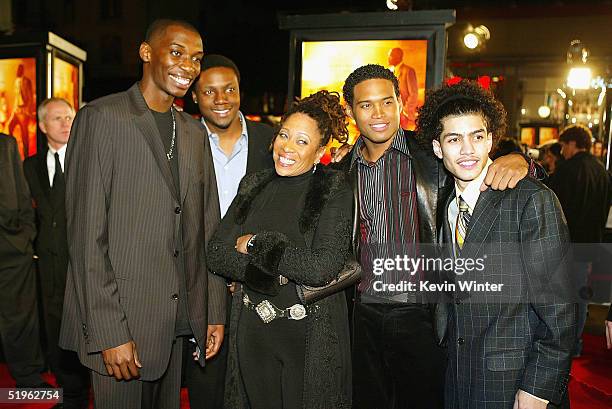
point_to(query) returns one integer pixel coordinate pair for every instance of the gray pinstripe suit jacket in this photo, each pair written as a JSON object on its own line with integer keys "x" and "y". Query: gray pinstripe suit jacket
{"x": 124, "y": 217}
{"x": 522, "y": 338}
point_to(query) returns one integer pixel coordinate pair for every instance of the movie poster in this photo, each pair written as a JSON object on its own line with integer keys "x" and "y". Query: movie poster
{"x": 18, "y": 102}
{"x": 326, "y": 64}
{"x": 66, "y": 81}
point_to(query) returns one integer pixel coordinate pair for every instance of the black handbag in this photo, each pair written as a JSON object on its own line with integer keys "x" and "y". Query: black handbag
{"x": 349, "y": 275}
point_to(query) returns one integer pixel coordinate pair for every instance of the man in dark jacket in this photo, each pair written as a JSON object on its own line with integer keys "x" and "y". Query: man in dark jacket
{"x": 397, "y": 362}
{"x": 18, "y": 312}
{"x": 238, "y": 146}
{"x": 45, "y": 175}
{"x": 582, "y": 186}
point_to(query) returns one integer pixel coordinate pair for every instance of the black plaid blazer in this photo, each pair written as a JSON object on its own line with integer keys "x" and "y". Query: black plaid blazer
{"x": 124, "y": 216}
{"x": 521, "y": 338}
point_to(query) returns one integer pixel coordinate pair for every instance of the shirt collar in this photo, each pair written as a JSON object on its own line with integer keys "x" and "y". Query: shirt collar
{"x": 399, "y": 144}
{"x": 472, "y": 191}
{"x": 61, "y": 151}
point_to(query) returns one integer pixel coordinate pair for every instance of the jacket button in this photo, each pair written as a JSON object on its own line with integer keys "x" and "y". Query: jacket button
{"x": 54, "y": 224}
{"x": 461, "y": 341}
{"x": 176, "y": 253}
{"x": 177, "y": 210}
{"x": 175, "y": 297}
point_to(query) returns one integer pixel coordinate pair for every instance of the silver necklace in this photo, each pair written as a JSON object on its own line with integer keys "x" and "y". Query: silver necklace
{"x": 170, "y": 153}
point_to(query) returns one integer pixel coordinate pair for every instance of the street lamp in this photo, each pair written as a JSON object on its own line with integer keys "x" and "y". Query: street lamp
{"x": 580, "y": 75}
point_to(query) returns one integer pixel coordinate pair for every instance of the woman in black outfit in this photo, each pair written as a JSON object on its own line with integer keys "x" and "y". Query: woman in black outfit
{"x": 289, "y": 226}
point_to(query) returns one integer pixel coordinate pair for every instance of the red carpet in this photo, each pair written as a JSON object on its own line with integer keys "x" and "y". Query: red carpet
{"x": 590, "y": 387}
{"x": 7, "y": 382}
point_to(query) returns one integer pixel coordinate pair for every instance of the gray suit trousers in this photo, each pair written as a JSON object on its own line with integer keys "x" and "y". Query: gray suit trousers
{"x": 163, "y": 393}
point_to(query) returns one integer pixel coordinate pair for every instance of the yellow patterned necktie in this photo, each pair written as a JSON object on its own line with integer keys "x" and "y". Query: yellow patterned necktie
{"x": 463, "y": 221}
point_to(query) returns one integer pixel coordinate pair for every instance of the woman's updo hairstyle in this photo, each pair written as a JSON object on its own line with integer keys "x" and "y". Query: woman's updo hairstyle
{"x": 325, "y": 108}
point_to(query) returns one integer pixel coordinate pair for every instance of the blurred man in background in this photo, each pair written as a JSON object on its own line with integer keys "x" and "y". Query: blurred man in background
{"x": 19, "y": 330}
{"x": 582, "y": 186}
{"x": 45, "y": 174}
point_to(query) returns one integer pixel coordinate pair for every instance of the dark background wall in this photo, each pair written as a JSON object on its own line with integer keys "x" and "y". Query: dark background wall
{"x": 247, "y": 31}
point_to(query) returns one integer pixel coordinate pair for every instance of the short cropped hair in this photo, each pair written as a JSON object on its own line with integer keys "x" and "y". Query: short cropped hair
{"x": 580, "y": 134}
{"x": 364, "y": 73}
{"x": 216, "y": 60}
{"x": 464, "y": 98}
{"x": 41, "y": 111}
{"x": 160, "y": 25}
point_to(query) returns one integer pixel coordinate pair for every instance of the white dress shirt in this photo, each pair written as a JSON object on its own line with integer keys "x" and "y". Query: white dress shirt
{"x": 470, "y": 195}
{"x": 51, "y": 161}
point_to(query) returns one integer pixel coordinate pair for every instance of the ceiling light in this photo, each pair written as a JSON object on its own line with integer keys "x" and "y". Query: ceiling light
{"x": 544, "y": 111}
{"x": 392, "y": 4}
{"x": 579, "y": 78}
{"x": 476, "y": 37}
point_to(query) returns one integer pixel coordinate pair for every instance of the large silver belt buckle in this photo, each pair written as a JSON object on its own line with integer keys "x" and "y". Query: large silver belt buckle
{"x": 266, "y": 311}
{"x": 297, "y": 312}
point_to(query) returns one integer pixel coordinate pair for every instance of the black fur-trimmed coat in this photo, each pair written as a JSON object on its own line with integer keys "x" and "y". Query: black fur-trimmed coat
{"x": 327, "y": 207}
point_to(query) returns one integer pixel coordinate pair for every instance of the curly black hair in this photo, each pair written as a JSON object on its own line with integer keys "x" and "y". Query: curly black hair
{"x": 364, "y": 73}
{"x": 580, "y": 134}
{"x": 325, "y": 108}
{"x": 464, "y": 98}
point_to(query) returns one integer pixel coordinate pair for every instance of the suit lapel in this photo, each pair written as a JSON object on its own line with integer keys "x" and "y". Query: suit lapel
{"x": 483, "y": 218}
{"x": 426, "y": 172}
{"x": 258, "y": 154}
{"x": 146, "y": 124}
{"x": 184, "y": 140}
{"x": 446, "y": 195}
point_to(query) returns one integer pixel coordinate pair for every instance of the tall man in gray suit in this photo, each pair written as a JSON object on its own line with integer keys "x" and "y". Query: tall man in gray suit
{"x": 510, "y": 340}
{"x": 139, "y": 209}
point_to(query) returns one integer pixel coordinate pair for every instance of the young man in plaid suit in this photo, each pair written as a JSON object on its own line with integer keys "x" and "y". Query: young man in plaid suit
{"x": 511, "y": 325}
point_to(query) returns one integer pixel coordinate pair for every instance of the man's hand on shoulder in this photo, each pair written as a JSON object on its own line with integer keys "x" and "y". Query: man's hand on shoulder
{"x": 122, "y": 361}
{"x": 337, "y": 154}
{"x": 505, "y": 172}
{"x": 524, "y": 400}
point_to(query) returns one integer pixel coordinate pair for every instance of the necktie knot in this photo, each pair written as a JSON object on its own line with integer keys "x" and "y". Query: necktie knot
{"x": 463, "y": 206}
